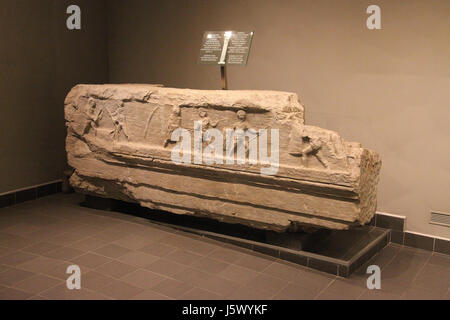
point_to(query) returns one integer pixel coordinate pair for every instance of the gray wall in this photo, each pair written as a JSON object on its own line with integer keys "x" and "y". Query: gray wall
{"x": 388, "y": 89}
{"x": 40, "y": 60}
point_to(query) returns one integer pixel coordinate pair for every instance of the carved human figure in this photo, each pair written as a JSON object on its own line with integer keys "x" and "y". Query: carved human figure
{"x": 119, "y": 130}
{"x": 241, "y": 124}
{"x": 173, "y": 124}
{"x": 94, "y": 115}
{"x": 206, "y": 123}
{"x": 304, "y": 144}
{"x": 119, "y": 121}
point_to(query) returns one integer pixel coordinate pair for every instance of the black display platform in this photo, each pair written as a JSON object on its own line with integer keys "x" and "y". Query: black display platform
{"x": 332, "y": 251}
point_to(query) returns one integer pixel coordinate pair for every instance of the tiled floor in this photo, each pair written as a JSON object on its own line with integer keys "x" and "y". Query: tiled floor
{"x": 126, "y": 257}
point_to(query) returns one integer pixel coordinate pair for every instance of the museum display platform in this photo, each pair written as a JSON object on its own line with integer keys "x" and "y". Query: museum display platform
{"x": 338, "y": 252}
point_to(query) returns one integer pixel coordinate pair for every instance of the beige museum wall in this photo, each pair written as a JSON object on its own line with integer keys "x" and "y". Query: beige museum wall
{"x": 389, "y": 88}
{"x": 40, "y": 60}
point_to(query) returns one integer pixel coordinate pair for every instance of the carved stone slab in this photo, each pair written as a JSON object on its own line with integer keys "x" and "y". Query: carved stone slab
{"x": 182, "y": 151}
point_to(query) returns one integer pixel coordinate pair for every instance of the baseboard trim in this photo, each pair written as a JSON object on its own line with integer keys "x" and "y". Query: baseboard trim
{"x": 421, "y": 241}
{"x": 30, "y": 193}
{"x": 31, "y": 187}
{"x": 389, "y": 221}
{"x": 399, "y": 235}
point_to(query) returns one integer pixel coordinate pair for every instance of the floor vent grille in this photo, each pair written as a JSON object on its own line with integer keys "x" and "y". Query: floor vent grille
{"x": 440, "y": 218}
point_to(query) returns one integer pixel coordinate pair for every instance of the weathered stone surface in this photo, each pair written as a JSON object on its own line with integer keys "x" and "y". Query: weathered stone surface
{"x": 121, "y": 140}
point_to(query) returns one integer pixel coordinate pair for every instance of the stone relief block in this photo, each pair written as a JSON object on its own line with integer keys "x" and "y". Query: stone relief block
{"x": 236, "y": 156}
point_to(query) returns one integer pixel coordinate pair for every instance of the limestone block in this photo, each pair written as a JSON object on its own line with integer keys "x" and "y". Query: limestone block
{"x": 236, "y": 156}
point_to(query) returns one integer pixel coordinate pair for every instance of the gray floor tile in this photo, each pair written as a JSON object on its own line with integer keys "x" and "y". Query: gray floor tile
{"x": 13, "y": 276}
{"x": 14, "y": 294}
{"x": 439, "y": 259}
{"x": 16, "y": 242}
{"x": 143, "y": 279}
{"x": 394, "y": 287}
{"x": 40, "y": 264}
{"x": 41, "y": 247}
{"x": 112, "y": 251}
{"x": 21, "y": 229}
{"x": 61, "y": 292}
{"x": 91, "y": 260}
{"x": 267, "y": 283}
{"x": 64, "y": 253}
{"x": 116, "y": 269}
{"x": 422, "y": 294}
{"x": 133, "y": 242}
{"x": 121, "y": 290}
{"x": 94, "y": 280}
{"x": 172, "y": 288}
{"x": 247, "y": 292}
{"x": 379, "y": 295}
{"x": 59, "y": 271}
{"x": 192, "y": 276}
{"x": 137, "y": 259}
{"x": 66, "y": 239}
{"x": 157, "y": 249}
{"x": 40, "y": 239}
{"x": 294, "y": 292}
{"x": 347, "y": 289}
{"x": 16, "y": 258}
{"x": 200, "y": 294}
{"x": 4, "y": 268}
{"x": 384, "y": 257}
{"x": 166, "y": 267}
{"x": 209, "y": 265}
{"x": 186, "y": 242}
{"x": 254, "y": 262}
{"x": 434, "y": 278}
{"x": 5, "y": 251}
{"x": 219, "y": 285}
{"x": 313, "y": 280}
{"x": 283, "y": 270}
{"x": 238, "y": 274}
{"x": 89, "y": 244}
{"x": 149, "y": 295}
{"x": 183, "y": 257}
{"x": 110, "y": 235}
{"x": 37, "y": 284}
{"x": 225, "y": 255}
{"x": 38, "y": 297}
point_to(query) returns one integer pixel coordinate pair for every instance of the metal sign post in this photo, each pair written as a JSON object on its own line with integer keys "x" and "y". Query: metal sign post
{"x": 225, "y": 47}
{"x": 223, "y": 77}
{"x": 222, "y": 62}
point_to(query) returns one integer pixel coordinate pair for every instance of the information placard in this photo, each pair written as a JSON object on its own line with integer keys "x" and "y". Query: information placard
{"x": 225, "y": 47}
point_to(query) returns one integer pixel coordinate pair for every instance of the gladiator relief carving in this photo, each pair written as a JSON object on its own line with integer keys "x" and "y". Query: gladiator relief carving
{"x": 173, "y": 124}
{"x": 244, "y": 156}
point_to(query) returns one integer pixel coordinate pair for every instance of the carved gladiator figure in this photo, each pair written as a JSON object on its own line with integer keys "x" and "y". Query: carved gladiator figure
{"x": 241, "y": 124}
{"x": 207, "y": 123}
{"x": 93, "y": 115}
{"x": 304, "y": 145}
{"x": 174, "y": 123}
{"x": 118, "y": 129}
{"x": 119, "y": 120}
